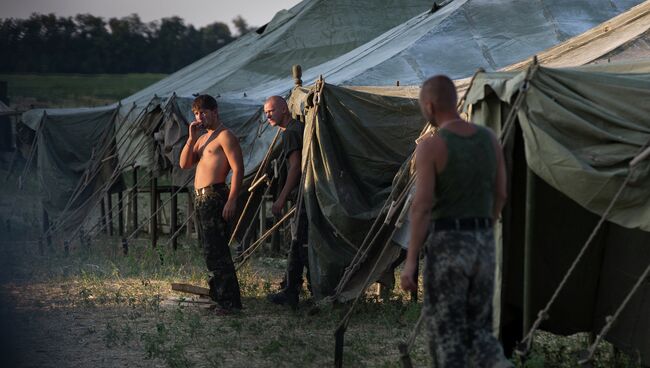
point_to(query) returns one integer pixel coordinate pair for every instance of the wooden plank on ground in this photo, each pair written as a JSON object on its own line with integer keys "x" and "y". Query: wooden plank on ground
{"x": 191, "y": 289}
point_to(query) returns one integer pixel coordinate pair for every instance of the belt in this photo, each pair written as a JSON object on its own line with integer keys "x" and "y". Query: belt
{"x": 211, "y": 189}
{"x": 469, "y": 223}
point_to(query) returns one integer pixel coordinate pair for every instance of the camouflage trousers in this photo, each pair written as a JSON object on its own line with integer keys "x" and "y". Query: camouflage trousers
{"x": 224, "y": 287}
{"x": 458, "y": 289}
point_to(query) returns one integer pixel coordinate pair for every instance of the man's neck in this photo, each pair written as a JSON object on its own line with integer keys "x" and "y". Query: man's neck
{"x": 444, "y": 119}
{"x": 285, "y": 122}
{"x": 218, "y": 126}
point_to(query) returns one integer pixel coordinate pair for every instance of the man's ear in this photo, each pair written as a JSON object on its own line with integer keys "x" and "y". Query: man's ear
{"x": 431, "y": 110}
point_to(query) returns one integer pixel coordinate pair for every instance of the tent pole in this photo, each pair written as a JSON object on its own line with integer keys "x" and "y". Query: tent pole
{"x": 153, "y": 221}
{"x": 134, "y": 198}
{"x": 46, "y": 225}
{"x": 173, "y": 217}
{"x": 109, "y": 212}
{"x": 120, "y": 214}
{"x": 190, "y": 211}
{"x": 103, "y": 215}
{"x": 528, "y": 249}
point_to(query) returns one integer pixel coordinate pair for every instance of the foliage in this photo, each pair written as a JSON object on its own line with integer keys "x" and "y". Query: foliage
{"x": 70, "y": 90}
{"x": 45, "y": 43}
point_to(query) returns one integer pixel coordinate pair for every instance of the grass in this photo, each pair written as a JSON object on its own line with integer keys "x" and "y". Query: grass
{"x": 112, "y": 307}
{"x": 73, "y": 90}
{"x": 100, "y": 280}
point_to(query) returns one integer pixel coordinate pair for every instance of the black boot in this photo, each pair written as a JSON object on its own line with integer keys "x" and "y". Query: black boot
{"x": 285, "y": 297}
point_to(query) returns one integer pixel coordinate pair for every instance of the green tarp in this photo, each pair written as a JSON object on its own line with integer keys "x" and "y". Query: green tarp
{"x": 359, "y": 143}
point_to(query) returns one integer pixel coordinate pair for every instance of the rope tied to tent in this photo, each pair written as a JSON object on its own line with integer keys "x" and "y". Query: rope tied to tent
{"x": 526, "y": 344}
{"x": 260, "y": 169}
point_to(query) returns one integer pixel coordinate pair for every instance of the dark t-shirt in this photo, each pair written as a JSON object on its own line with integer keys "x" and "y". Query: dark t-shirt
{"x": 292, "y": 141}
{"x": 292, "y": 138}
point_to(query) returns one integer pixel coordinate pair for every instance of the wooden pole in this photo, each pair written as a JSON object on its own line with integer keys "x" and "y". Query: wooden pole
{"x": 153, "y": 222}
{"x": 46, "y": 226}
{"x": 109, "y": 212}
{"x": 120, "y": 214}
{"x": 134, "y": 199}
{"x": 190, "y": 211}
{"x": 103, "y": 215}
{"x": 173, "y": 219}
{"x": 528, "y": 249}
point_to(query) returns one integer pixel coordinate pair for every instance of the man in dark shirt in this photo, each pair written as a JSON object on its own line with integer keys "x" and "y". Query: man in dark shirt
{"x": 462, "y": 168}
{"x": 277, "y": 113}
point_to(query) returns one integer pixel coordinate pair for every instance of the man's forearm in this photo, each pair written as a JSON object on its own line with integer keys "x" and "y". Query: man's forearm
{"x": 187, "y": 155}
{"x": 419, "y": 228}
{"x": 235, "y": 184}
{"x": 293, "y": 179}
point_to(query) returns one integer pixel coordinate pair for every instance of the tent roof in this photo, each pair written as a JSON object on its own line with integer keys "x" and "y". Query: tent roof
{"x": 465, "y": 35}
{"x": 308, "y": 34}
{"x": 623, "y": 42}
{"x": 6, "y": 110}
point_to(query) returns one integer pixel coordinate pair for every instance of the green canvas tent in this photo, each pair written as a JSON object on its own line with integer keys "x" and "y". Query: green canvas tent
{"x": 576, "y": 131}
{"x": 149, "y": 124}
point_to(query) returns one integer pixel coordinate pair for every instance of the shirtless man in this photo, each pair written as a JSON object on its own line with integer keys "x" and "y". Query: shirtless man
{"x": 215, "y": 153}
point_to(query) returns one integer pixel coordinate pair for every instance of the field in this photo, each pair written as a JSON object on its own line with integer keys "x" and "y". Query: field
{"x": 73, "y": 90}
{"x": 94, "y": 306}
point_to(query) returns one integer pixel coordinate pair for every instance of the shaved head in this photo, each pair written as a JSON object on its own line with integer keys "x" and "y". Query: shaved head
{"x": 438, "y": 94}
{"x": 277, "y": 111}
{"x": 277, "y": 101}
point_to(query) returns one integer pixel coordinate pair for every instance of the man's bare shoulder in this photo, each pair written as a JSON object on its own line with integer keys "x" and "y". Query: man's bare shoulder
{"x": 227, "y": 137}
{"x": 430, "y": 145}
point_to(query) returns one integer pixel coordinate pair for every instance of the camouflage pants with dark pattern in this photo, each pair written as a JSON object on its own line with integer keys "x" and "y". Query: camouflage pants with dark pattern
{"x": 458, "y": 289}
{"x": 224, "y": 287}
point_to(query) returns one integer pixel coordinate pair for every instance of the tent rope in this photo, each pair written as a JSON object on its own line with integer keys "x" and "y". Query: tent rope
{"x": 246, "y": 255}
{"x": 364, "y": 249}
{"x": 114, "y": 175}
{"x": 260, "y": 169}
{"x": 103, "y": 226}
{"x": 87, "y": 177}
{"x": 611, "y": 319}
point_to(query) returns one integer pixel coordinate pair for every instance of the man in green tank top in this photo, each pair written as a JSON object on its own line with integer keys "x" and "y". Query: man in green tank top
{"x": 459, "y": 191}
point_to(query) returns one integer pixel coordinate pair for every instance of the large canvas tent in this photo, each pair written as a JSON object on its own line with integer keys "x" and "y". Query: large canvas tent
{"x": 461, "y": 36}
{"x": 577, "y": 130}
{"x": 309, "y": 33}
{"x": 623, "y": 37}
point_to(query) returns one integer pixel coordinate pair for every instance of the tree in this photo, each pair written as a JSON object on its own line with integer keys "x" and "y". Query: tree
{"x": 241, "y": 25}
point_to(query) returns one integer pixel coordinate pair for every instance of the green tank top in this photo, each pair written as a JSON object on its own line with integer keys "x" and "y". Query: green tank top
{"x": 465, "y": 187}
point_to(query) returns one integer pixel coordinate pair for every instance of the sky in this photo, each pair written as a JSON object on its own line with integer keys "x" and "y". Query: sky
{"x": 195, "y": 12}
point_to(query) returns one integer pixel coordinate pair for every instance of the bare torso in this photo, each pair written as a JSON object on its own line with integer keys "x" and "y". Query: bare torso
{"x": 213, "y": 167}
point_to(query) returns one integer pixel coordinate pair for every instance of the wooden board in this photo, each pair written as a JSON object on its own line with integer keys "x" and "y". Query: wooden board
{"x": 190, "y": 289}
{"x": 197, "y": 302}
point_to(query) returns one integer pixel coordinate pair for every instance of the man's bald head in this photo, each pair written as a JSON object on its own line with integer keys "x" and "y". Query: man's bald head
{"x": 438, "y": 95}
{"x": 277, "y": 111}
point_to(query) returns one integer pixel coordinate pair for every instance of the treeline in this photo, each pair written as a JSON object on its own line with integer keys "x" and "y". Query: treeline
{"x": 45, "y": 43}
